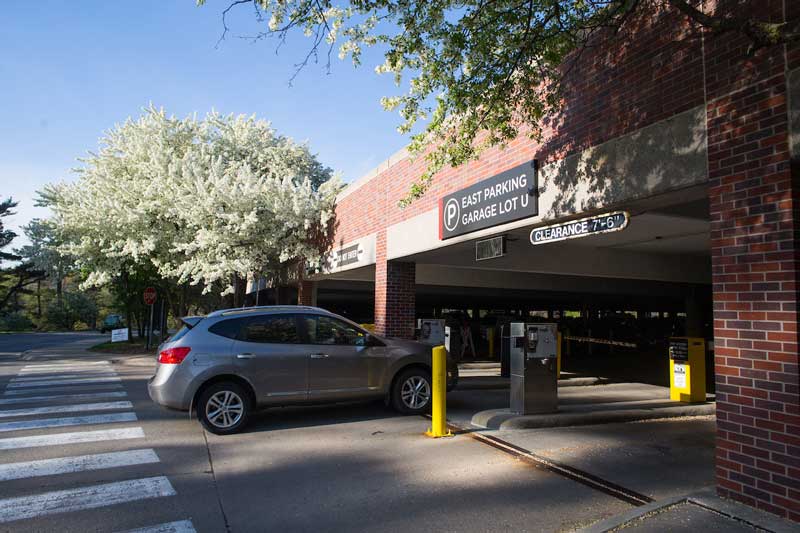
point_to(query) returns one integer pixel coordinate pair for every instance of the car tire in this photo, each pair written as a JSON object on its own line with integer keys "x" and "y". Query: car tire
{"x": 224, "y": 408}
{"x": 412, "y": 392}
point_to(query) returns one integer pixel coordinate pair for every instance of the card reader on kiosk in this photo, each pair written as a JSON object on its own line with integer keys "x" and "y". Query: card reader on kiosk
{"x": 534, "y": 368}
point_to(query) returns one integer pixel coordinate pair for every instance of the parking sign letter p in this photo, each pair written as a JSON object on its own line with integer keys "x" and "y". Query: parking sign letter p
{"x": 451, "y": 214}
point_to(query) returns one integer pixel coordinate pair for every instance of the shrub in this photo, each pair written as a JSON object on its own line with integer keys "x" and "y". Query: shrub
{"x": 15, "y": 322}
{"x": 76, "y": 307}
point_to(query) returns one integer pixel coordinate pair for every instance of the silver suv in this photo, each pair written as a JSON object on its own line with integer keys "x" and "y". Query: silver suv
{"x": 229, "y": 363}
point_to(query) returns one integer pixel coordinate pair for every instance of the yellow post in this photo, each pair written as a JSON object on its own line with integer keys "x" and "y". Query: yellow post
{"x": 439, "y": 394}
{"x": 490, "y": 337}
{"x": 558, "y": 357}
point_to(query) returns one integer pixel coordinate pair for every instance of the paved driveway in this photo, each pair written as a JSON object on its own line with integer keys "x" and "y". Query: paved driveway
{"x": 84, "y": 449}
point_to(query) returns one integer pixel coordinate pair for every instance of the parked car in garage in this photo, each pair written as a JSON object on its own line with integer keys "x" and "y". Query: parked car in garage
{"x": 111, "y": 322}
{"x": 232, "y": 362}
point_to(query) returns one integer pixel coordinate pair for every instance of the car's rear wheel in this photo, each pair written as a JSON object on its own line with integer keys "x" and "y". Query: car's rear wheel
{"x": 224, "y": 408}
{"x": 411, "y": 393}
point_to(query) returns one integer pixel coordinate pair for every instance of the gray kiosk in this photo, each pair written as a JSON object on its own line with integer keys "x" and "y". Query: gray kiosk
{"x": 533, "y": 357}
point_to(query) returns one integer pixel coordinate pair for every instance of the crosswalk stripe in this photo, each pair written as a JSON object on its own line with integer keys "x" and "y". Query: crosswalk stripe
{"x": 38, "y": 371}
{"x": 76, "y": 437}
{"x": 57, "y": 368}
{"x": 67, "y": 421}
{"x": 74, "y": 408}
{"x": 91, "y": 497}
{"x": 72, "y": 388}
{"x": 63, "y": 376}
{"x": 63, "y": 362}
{"x": 81, "y": 463}
{"x": 181, "y": 526}
{"x": 64, "y": 397}
{"x": 61, "y": 382}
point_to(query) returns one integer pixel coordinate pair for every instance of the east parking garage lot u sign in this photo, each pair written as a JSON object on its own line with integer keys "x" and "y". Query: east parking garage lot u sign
{"x": 506, "y": 197}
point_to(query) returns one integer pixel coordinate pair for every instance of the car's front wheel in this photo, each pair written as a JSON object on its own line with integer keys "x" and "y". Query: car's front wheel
{"x": 224, "y": 408}
{"x": 411, "y": 392}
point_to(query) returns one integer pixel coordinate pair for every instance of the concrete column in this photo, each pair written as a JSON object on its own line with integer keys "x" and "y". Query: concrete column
{"x": 695, "y": 313}
{"x": 754, "y": 226}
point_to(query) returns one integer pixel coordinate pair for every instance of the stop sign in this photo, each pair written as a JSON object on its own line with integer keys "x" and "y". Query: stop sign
{"x": 150, "y": 295}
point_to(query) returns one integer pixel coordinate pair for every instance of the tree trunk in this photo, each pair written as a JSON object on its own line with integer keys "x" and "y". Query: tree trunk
{"x": 39, "y": 299}
{"x": 239, "y": 291}
{"x": 59, "y": 292}
{"x": 128, "y": 309}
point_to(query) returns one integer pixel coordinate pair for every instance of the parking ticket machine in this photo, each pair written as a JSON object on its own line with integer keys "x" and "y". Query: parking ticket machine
{"x": 534, "y": 368}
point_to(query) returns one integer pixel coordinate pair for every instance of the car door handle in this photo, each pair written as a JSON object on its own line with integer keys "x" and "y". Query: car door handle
{"x": 319, "y": 356}
{"x": 244, "y": 356}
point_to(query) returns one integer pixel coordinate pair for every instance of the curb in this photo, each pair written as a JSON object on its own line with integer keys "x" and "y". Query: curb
{"x": 504, "y": 419}
{"x": 706, "y": 499}
{"x": 481, "y": 383}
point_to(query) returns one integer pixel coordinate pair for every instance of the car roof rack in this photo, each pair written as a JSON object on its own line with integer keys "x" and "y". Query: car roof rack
{"x": 255, "y": 309}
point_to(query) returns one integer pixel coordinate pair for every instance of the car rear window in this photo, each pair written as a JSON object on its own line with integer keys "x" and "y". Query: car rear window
{"x": 178, "y": 334}
{"x": 273, "y": 329}
{"x": 228, "y": 328}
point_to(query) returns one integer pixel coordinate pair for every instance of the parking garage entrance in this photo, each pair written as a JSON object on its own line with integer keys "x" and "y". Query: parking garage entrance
{"x": 617, "y": 297}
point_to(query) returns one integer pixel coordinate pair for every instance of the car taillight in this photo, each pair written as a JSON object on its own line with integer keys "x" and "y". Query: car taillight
{"x": 174, "y": 356}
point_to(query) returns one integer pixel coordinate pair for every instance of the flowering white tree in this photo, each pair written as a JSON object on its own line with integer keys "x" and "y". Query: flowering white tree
{"x": 199, "y": 201}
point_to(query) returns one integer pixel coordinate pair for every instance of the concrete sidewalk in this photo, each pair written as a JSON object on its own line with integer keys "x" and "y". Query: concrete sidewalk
{"x": 481, "y": 382}
{"x": 700, "y": 511}
{"x": 584, "y": 405}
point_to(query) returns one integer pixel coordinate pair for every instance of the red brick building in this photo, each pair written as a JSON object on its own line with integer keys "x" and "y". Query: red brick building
{"x": 699, "y": 142}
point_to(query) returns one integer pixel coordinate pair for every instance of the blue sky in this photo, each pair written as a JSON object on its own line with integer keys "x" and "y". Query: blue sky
{"x": 71, "y": 70}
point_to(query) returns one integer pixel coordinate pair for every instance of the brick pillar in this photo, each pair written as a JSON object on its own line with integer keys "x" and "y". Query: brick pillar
{"x": 306, "y": 293}
{"x": 395, "y": 298}
{"x": 754, "y": 225}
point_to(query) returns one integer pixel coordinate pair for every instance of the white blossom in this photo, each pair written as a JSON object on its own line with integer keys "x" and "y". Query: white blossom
{"x": 199, "y": 200}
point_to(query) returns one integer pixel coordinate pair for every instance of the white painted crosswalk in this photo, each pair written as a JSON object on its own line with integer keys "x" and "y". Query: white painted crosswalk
{"x": 45, "y": 423}
{"x": 91, "y": 387}
{"x": 63, "y": 363}
{"x": 78, "y": 499}
{"x": 64, "y": 397}
{"x": 181, "y": 526}
{"x": 32, "y": 371}
{"x": 64, "y": 376}
{"x": 77, "y": 437}
{"x": 75, "y": 408}
{"x": 86, "y": 391}
{"x": 62, "y": 382}
{"x": 82, "y": 463}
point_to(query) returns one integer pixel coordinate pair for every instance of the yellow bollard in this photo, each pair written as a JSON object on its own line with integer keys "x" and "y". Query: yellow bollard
{"x": 558, "y": 357}
{"x": 490, "y": 338}
{"x": 439, "y": 394}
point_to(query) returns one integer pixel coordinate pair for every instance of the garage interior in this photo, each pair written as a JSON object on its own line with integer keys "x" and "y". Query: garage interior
{"x": 617, "y": 297}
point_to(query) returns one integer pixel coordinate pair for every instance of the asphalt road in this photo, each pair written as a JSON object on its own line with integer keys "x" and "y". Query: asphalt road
{"x": 76, "y": 456}
{"x": 11, "y": 343}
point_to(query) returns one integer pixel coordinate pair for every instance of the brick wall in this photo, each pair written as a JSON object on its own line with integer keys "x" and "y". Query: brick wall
{"x": 754, "y": 225}
{"x": 395, "y": 298}
{"x": 655, "y": 71}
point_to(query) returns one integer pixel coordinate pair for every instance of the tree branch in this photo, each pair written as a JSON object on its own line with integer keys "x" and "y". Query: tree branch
{"x": 761, "y": 34}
